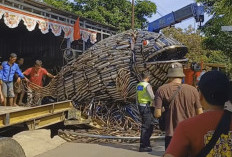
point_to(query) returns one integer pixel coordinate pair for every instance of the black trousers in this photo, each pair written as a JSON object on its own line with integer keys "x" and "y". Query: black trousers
{"x": 167, "y": 141}
{"x": 147, "y": 114}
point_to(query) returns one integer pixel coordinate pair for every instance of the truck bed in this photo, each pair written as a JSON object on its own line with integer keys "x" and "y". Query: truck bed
{"x": 35, "y": 117}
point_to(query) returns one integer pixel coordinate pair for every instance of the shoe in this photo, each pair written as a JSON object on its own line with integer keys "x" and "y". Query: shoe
{"x": 146, "y": 149}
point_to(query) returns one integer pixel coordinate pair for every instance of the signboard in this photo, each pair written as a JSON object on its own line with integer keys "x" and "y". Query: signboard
{"x": 226, "y": 28}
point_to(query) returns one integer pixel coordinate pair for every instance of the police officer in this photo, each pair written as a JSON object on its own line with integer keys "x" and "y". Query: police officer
{"x": 144, "y": 99}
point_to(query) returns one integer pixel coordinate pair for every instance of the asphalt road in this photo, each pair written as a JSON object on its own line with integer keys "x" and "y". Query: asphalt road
{"x": 103, "y": 150}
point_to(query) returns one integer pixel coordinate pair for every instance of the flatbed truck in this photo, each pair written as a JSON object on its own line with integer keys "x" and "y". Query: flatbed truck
{"x": 34, "y": 118}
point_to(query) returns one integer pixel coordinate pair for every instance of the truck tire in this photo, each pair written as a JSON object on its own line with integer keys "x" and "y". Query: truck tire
{"x": 10, "y": 148}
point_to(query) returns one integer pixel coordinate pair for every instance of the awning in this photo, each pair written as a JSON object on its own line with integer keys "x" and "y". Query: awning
{"x": 12, "y": 18}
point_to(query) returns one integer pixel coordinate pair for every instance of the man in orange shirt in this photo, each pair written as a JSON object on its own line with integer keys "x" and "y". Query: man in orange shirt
{"x": 36, "y": 74}
{"x": 193, "y": 136}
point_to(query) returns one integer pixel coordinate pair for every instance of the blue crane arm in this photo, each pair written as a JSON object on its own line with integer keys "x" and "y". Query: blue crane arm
{"x": 192, "y": 10}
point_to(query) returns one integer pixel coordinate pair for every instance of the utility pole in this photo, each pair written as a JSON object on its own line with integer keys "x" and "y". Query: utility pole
{"x": 133, "y": 15}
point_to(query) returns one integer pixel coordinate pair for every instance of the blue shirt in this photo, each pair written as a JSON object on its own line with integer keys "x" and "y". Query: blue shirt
{"x": 7, "y": 73}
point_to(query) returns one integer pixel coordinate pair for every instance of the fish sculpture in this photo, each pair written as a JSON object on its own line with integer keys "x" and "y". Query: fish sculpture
{"x": 111, "y": 69}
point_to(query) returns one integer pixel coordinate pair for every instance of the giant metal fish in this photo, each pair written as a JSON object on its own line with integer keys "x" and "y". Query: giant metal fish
{"x": 111, "y": 68}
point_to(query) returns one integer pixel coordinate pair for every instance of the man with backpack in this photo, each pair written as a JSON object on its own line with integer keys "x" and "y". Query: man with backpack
{"x": 178, "y": 101}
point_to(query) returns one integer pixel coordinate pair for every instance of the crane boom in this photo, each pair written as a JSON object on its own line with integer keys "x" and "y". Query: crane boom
{"x": 195, "y": 10}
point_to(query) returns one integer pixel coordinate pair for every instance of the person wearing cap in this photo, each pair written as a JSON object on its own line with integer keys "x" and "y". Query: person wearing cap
{"x": 144, "y": 100}
{"x": 9, "y": 69}
{"x": 183, "y": 101}
{"x": 208, "y": 134}
{"x": 36, "y": 74}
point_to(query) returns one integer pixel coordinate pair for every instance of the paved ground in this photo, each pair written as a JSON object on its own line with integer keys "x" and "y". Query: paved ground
{"x": 103, "y": 150}
{"x": 38, "y": 143}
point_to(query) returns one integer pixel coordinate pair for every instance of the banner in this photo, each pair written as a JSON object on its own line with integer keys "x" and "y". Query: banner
{"x": 43, "y": 26}
{"x": 56, "y": 29}
{"x": 12, "y": 19}
{"x": 89, "y": 35}
{"x": 29, "y": 23}
{"x": 1, "y": 13}
{"x": 67, "y": 31}
{"x": 93, "y": 38}
{"x": 85, "y": 35}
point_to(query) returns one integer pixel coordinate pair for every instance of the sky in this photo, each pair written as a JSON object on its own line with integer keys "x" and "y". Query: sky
{"x": 167, "y": 6}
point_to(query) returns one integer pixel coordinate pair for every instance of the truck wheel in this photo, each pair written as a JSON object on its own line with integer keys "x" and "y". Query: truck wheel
{"x": 10, "y": 148}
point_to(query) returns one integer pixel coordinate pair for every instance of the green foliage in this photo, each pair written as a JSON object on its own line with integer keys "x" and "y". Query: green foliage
{"x": 197, "y": 52}
{"x": 219, "y": 7}
{"x": 191, "y": 39}
{"x": 215, "y": 39}
{"x": 61, "y": 4}
{"x": 143, "y": 9}
{"x": 116, "y": 13}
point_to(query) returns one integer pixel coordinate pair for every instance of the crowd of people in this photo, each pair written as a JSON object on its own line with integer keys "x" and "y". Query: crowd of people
{"x": 12, "y": 89}
{"x": 196, "y": 121}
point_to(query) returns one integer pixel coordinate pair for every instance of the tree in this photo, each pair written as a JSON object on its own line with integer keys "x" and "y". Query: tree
{"x": 194, "y": 42}
{"x": 116, "y": 13}
{"x": 215, "y": 39}
{"x": 60, "y": 4}
{"x": 191, "y": 39}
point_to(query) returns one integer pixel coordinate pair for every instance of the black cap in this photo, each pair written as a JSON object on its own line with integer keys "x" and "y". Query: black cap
{"x": 13, "y": 55}
{"x": 215, "y": 87}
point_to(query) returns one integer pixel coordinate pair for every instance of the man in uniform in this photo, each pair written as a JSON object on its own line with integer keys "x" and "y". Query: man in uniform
{"x": 144, "y": 99}
{"x": 183, "y": 101}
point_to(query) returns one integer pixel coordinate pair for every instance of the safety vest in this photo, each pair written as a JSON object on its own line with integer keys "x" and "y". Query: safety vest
{"x": 143, "y": 96}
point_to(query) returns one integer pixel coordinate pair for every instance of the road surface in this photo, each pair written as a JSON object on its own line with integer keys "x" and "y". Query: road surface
{"x": 103, "y": 150}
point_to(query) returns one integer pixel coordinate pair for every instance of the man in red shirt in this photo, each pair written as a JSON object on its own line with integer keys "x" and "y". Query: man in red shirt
{"x": 36, "y": 74}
